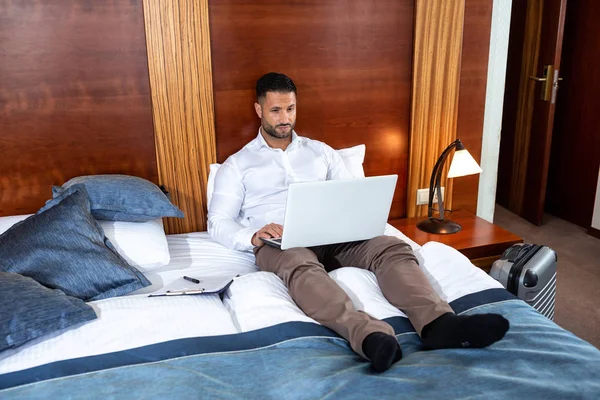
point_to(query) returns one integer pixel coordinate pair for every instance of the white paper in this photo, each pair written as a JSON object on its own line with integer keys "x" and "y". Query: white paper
{"x": 206, "y": 285}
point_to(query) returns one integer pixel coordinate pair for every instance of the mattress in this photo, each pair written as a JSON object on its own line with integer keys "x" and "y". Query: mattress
{"x": 212, "y": 339}
{"x": 255, "y": 300}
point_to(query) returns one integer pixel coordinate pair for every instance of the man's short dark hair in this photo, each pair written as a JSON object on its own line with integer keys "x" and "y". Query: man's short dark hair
{"x": 274, "y": 82}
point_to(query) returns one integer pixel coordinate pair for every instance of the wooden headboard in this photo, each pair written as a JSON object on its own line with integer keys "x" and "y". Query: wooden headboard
{"x": 161, "y": 89}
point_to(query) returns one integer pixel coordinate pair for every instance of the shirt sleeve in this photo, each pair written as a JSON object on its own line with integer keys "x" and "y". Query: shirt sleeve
{"x": 337, "y": 168}
{"x": 225, "y": 207}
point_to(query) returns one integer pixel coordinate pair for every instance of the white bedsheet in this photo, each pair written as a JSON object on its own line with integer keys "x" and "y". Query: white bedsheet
{"x": 254, "y": 300}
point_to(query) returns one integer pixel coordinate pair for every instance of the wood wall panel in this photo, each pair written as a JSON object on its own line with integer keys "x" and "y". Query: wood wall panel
{"x": 351, "y": 62}
{"x": 472, "y": 93}
{"x": 179, "y": 61}
{"x": 74, "y": 96}
{"x": 436, "y": 74}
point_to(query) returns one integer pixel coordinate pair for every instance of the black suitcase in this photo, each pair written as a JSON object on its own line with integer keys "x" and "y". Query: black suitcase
{"x": 529, "y": 272}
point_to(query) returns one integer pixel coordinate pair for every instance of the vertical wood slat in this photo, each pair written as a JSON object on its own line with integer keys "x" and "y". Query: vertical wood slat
{"x": 179, "y": 62}
{"x": 436, "y": 79}
{"x": 527, "y": 87}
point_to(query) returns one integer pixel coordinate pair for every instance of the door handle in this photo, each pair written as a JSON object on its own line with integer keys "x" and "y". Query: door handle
{"x": 548, "y": 87}
{"x": 535, "y": 78}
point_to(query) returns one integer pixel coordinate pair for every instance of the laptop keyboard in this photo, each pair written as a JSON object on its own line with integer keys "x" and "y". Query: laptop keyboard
{"x": 272, "y": 242}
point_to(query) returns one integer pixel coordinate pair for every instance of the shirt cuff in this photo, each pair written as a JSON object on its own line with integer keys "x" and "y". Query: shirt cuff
{"x": 243, "y": 239}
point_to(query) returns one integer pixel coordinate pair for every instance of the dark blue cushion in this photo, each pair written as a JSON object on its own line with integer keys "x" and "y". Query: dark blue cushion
{"x": 29, "y": 310}
{"x": 63, "y": 247}
{"x": 123, "y": 198}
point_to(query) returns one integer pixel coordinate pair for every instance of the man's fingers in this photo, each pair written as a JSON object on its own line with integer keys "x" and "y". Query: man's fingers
{"x": 278, "y": 229}
{"x": 273, "y": 232}
{"x": 275, "y": 229}
{"x": 267, "y": 232}
{"x": 264, "y": 234}
{"x": 270, "y": 231}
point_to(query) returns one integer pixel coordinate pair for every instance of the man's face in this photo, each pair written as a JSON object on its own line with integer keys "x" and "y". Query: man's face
{"x": 277, "y": 112}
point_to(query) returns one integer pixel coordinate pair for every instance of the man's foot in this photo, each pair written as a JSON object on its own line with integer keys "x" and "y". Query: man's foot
{"x": 457, "y": 331}
{"x": 382, "y": 350}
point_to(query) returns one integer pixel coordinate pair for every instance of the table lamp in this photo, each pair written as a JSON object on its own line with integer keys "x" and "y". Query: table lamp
{"x": 462, "y": 164}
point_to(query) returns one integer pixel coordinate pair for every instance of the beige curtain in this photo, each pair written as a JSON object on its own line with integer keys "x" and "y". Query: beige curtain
{"x": 436, "y": 78}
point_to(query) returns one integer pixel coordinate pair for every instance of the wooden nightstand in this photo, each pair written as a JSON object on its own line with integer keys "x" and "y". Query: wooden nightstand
{"x": 479, "y": 240}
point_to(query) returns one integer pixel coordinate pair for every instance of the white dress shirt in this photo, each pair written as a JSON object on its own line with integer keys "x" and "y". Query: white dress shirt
{"x": 251, "y": 186}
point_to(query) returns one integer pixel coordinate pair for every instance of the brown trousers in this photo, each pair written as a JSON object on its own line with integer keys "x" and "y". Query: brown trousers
{"x": 304, "y": 271}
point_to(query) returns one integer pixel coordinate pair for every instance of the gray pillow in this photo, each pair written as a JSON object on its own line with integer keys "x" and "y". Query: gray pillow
{"x": 123, "y": 198}
{"x": 63, "y": 247}
{"x": 29, "y": 310}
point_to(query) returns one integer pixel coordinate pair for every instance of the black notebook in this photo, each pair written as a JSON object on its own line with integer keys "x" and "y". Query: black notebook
{"x": 182, "y": 287}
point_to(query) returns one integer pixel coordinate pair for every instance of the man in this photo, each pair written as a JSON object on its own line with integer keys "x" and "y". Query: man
{"x": 249, "y": 203}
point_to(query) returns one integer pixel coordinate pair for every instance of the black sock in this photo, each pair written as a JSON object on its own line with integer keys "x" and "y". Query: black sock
{"x": 382, "y": 350}
{"x": 457, "y": 331}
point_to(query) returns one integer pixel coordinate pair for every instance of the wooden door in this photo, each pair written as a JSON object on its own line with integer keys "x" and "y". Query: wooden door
{"x": 573, "y": 172}
{"x": 527, "y": 128}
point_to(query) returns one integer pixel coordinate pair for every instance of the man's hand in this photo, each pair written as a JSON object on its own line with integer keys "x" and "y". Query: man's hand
{"x": 267, "y": 232}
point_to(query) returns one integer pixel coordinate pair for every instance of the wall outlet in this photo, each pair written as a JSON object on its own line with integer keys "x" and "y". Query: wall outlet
{"x": 423, "y": 196}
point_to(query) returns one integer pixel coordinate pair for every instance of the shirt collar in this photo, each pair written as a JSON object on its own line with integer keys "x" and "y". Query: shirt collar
{"x": 261, "y": 142}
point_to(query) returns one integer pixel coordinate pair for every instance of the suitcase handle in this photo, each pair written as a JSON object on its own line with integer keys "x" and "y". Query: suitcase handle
{"x": 530, "y": 279}
{"x": 525, "y": 253}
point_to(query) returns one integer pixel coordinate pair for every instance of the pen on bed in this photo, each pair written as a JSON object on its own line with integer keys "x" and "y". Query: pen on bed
{"x": 187, "y": 278}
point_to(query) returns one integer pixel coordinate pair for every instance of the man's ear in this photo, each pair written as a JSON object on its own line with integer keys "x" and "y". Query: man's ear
{"x": 258, "y": 109}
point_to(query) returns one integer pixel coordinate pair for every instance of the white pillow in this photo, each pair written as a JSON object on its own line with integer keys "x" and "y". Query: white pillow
{"x": 259, "y": 300}
{"x": 141, "y": 244}
{"x": 7, "y": 222}
{"x": 353, "y": 158}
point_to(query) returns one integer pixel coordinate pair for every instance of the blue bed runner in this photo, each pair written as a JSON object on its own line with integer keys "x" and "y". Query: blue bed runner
{"x": 298, "y": 360}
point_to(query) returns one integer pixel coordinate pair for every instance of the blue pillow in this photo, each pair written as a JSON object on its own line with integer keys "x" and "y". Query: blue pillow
{"x": 63, "y": 247}
{"x": 123, "y": 198}
{"x": 29, "y": 310}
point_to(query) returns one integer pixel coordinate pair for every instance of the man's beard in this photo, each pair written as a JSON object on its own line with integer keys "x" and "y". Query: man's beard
{"x": 272, "y": 130}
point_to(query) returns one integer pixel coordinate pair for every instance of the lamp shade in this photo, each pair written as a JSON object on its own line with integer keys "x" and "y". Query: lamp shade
{"x": 463, "y": 164}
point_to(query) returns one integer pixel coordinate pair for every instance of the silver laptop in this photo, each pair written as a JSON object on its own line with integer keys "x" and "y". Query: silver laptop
{"x": 338, "y": 211}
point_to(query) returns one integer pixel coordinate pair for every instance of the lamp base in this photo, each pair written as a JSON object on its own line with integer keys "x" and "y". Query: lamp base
{"x": 439, "y": 226}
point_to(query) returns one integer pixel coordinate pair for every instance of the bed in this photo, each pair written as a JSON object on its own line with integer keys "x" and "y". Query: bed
{"x": 254, "y": 342}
